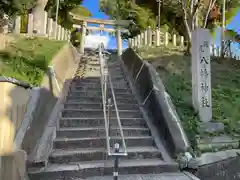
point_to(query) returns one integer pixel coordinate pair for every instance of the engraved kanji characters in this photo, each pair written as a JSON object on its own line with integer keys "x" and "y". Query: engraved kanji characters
{"x": 205, "y": 102}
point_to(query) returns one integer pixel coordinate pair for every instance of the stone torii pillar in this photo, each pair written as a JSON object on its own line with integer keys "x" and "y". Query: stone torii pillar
{"x": 84, "y": 31}
{"x": 119, "y": 42}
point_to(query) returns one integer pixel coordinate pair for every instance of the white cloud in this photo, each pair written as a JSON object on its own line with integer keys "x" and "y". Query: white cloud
{"x": 93, "y": 41}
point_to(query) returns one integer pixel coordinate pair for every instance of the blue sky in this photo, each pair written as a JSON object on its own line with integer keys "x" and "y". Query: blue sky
{"x": 93, "y": 6}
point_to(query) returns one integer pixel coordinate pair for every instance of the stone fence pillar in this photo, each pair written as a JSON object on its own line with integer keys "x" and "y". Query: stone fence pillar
{"x": 17, "y": 25}
{"x": 30, "y": 25}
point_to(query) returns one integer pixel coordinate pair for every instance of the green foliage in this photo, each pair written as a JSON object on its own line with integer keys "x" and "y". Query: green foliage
{"x": 175, "y": 71}
{"x": 65, "y": 7}
{"x": 80, "y": 10}
{"x": 179, "y": 88}
{"x": 28, "y": 59}
{"x": 231, "y": 13}
{"x": 171, "y": 13}
{"x": 12, "y": 7}
{"x": 142, "y": 16}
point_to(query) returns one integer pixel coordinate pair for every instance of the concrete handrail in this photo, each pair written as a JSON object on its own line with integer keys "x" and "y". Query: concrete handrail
{"x": 16, "y": 82}
{"x": 156, "y": 101}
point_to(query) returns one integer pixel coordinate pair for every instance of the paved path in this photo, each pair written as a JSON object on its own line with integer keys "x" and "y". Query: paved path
{"x": 163, "y": 176}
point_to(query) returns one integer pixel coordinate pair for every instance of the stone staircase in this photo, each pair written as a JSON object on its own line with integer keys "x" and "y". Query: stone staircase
{"x": 79, "y": 150}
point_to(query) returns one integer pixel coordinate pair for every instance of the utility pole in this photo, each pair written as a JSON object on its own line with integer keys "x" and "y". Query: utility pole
{"x": 118, "y": 31}
{"x": 159, "y": 12}
{"x": 223, "y": 28}
{"x": 56, "y": 18}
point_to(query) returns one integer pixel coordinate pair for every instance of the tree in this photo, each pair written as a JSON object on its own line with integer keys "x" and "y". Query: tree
{"x": 12, "y": 7}
{"x": 128, "y": 10}
{"x": 65, "y": 7}
{"x": 182, "y": 16}
{"x": 231, "y": 36}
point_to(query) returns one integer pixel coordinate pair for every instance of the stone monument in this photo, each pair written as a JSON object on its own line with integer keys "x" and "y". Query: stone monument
{"x": 201, "y": 74}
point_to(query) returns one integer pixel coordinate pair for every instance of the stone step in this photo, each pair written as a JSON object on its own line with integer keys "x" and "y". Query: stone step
{"x": 149, "y": 176}
{"x": 95, "y": 142}
{"x": 96, "y": 79}
{"x": 87, "y": 80}
{"x": 99, "y": 113}
{"x": 98, "y": 100}
{"x": 84, "y": 89}
{"x": 96, "y": 122}
{"x": 100, "y": 131}
{"x": 116, "y": 85}
{"x": 91, "y": 154}
{"x": 79, "y": 105}
{"x": 97, "y": 84}
{"x": 86, "y": 169}
{"x": 129, "y": 99}
{"x": 98, "y": 94}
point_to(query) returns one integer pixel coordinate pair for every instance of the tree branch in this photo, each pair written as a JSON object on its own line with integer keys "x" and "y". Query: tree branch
{"x": 191, "y": 7}
{"x": 210, "y": 6}
{"x": 195, "y": 8}
{"x": 185, "y": 18}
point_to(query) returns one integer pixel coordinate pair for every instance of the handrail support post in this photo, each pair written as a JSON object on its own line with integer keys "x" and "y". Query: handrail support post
{"x": 116, "y": 163}
{"x": 109, "y": 105}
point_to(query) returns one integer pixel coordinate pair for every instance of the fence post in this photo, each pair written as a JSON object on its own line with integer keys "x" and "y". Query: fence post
{"x": 166, "y": 39}
{"x": 158, "y": 37}
{"x": 50, "y": 27}
{"x": 149, "y": 36}
{"x": 142, "y": 38}
{"x": 174, "y": 40}
{"x": 17, "y": 25}
{"x": 30, "y": 25}
{"x": 135, "y": 42}
{"x": 212, "y": 50}
{"x": 69, "y": 35}
{"x": 62, "y": 33}
{"x": 45, "y": 23}
{"x": 145, "y": 38}
{"x": 58, "y": 32}
{"x": 55, "y": 30}
{"x": 218, "y": 51}
{"x": 65, "y": 35}
{"x": 153, "y": 37}
{"x": 182, "y": 41}
{"x": 139, "y": 40}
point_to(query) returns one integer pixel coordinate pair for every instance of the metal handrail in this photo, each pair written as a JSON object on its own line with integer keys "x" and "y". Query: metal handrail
{"x": 106, "y": 77}
{"x": 103, "y": 78}
{"x": 124, "y": 153}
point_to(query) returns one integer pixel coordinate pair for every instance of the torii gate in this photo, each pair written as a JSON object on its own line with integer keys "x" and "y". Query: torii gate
{"x": 101, "y": 22}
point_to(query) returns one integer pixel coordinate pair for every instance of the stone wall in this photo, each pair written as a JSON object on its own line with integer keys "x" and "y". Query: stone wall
{"x": 12, "y": 166}
{"x": 222, "y": 165}
{"x": 228, "y": 169}
{"x": 64, "y": 64}
{"x": 13, "y": 105}
{"x": 25, "y": 111}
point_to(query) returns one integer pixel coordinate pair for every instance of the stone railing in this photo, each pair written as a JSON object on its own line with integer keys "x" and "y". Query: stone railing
{"x": 155, "y": 38}
{"x": 51, "y": 29}
{"x": 155, "y": 103}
